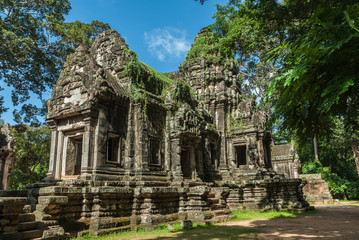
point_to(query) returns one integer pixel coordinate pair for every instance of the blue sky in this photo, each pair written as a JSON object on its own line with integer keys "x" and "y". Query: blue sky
{"x": 160, "y": 31}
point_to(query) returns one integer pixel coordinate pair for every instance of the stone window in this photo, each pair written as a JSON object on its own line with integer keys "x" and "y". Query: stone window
{"x": 113, "y": 148}
{"x": 155, "y": 152}
{"x": 241, "y": 156}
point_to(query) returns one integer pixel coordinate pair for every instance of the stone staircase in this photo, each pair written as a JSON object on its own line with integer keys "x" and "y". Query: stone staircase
{"x": 218, "y": 207}
{"x": 28, "y": 228}
{"x": 16, "y": 220}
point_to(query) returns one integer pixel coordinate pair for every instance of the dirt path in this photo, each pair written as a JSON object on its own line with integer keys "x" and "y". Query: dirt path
{"x": 338, "y": 221}
{"x": 332, "y": 222}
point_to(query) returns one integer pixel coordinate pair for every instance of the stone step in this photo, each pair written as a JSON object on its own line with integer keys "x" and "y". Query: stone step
{"x": 26, "y": 217}
{"x": 222, "y": 212}
{"x": 218, "y": 206}
{"x": 9, "y": 236}
{"x": 223, "y": 218}
{"x": 213, "y": 200}
{"x": 24, "y": 226}
{"x": 211, "y": 195}
{"x": 30, "y": 234}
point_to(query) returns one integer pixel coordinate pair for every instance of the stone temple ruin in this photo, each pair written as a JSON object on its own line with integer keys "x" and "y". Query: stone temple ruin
{"x": 134, "y": 147}
{"x": 285, "y": 160}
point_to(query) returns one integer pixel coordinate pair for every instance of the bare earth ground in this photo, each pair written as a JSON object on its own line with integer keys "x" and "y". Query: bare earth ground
{"x": 332, "y": 222}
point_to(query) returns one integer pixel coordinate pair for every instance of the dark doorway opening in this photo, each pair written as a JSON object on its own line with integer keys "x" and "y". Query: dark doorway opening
{"x": 185, "y": 164}
{"x": 241, "y": 156}
{"x": 113, "y": 145}
{"x": 213, "y": 155}
{"x": 73, "y": 156}
{"x": 77, "y": 168}
{"x": 155, "y": 154}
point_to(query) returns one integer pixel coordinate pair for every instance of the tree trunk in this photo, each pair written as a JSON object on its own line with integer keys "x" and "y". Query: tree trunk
{"x": 315, "y": 142}
{"x": 355, "y": 149}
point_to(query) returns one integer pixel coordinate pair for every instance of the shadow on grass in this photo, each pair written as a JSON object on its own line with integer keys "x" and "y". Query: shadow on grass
{"x": 213, "y": 232}
{"x": 317, "y": 224}
{"x": 252, "y": 215}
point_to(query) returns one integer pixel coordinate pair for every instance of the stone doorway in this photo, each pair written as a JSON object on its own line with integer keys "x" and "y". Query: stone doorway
{"x": 186, "y": 163}
{"x": 241, "y": 156}
{"x": 73, "y": 157}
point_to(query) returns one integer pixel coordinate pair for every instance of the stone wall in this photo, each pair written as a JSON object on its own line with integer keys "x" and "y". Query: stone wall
{"x": 78, "y": 207}
{"x": 316, "y": 189}
{"x": 285, "y": 160}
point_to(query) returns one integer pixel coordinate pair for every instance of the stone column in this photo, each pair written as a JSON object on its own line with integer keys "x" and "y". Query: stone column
{"x": 64, "y": 156}
{"x": 138, "y": 137}
{"x": 176, "y": 157}
{"x": 53, "y": 150}
{"x": 96, "y": 161}
{"x": 130, "y": 143}
{"x": 221, "y": 126}
{"x": 86, "y": 146}
{"x": 192, "y": 158}
{"x": 167, "y": 142}
{"x": 60, "y": 141}
{"x": 261, "y": 151}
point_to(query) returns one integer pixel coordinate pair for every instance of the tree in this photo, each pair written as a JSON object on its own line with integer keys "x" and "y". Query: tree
{"x": 34, "y": 43}
{"x": 320, "y": 80}
{"x": 32, "y": 152}
{"x": 239, "y": 29}
{"x": 336, "y": 163}
{"x": 313, "y": 46}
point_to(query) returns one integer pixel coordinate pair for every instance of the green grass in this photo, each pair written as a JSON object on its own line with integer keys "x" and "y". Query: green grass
{"x": 201, "y": 231}
{"x": 253, "y": 215}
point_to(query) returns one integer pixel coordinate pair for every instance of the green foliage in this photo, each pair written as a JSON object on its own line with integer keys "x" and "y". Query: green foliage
{"x": 336, "y": 162}
{"x": 314, "y": 166}
{"x": 34, "y": 43}
{"x": 235, "y": 122}
{"x": 243, "y": 30}
{"x": 312, "y": 49}
{"x": 209, "y": 46}
{"x": 32, "y": 151}
{"x": 183, "y": 93}
{"x": 146, "y": 78}
{"x": 319, "y": 80}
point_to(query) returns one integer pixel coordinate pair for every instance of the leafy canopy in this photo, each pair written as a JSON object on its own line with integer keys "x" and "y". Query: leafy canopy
{"x": 244, "y": 31}
{"x": 32, "y": 152}
{"x": 34, "y": 43}
{"x": 320, "y": 77}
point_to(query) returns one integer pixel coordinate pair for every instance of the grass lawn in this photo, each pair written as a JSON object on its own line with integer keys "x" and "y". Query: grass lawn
{"x": 201, "y": 231}
{"x": 349, "y": 202}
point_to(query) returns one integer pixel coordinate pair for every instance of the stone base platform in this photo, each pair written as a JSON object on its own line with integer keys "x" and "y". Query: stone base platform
{"x": 77, "y": 207}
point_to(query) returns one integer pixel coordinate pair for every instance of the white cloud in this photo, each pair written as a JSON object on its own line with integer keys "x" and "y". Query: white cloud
{"x": 167, "y": 43}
